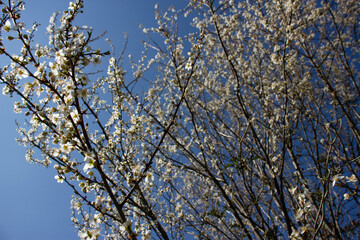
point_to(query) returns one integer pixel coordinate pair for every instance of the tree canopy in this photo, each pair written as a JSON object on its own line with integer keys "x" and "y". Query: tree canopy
{"x": 244, "y": 127}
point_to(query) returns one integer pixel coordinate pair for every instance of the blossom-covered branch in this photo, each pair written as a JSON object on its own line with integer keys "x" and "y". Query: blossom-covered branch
{"x": 248, "y": 127}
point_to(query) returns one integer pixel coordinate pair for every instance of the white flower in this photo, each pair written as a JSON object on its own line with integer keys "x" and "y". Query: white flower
{"x": 293, "y": 190}
{"x": 59, "y": 179}
{"x": 112, "y": 61}
{"x": 89, "y": 158}
{"x": 55, "y": 118}
{"x": 60, "y": 56}
{"x": 88, "y": 166}
{"x": 82, "y": 235}
{"x": 92, "y": 234}
{"x": 22, "y": 73}
{"x": 98, "y": 217}
{"x": 336, "y": 178}
{"x": 7, "y": 26}
{"x": 66, "y": 148}
{"x": 75, "y": 116}
{"x": 346, "y": 196}
{"x": 54, "y": 68}
{"x": 125, "y": 225}
{"x": 274, "y": 58}
{"x": 352, "y": 179}
{"x": 96, "y": 60}
{"x": 40, "y": 70}
{"x": 72, "y": 6}
{"x": 69, "y": 99}
{"x": 17, "y": 107}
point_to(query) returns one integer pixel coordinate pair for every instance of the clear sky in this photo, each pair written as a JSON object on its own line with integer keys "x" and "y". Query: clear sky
{"x": 33, "y": 206}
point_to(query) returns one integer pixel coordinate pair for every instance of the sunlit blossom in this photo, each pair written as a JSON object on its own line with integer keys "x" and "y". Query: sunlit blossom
{"x": 347, "y": 196}
{"x": 233, "y": 127}
{"x": 352, "y": 178}
{"x": 59, "y": 179}
{"x": 7, "y": 26}
{"x": 336, "y": 178}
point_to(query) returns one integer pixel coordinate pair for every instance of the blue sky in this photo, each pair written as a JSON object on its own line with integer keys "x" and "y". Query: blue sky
{"x": 32, "y": 204}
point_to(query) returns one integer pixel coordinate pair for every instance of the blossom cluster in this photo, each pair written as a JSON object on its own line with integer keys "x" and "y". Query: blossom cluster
{"x": 248, "y": 126}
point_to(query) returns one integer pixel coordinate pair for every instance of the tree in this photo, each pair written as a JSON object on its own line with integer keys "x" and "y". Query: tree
{"x": 247, "y": 129}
